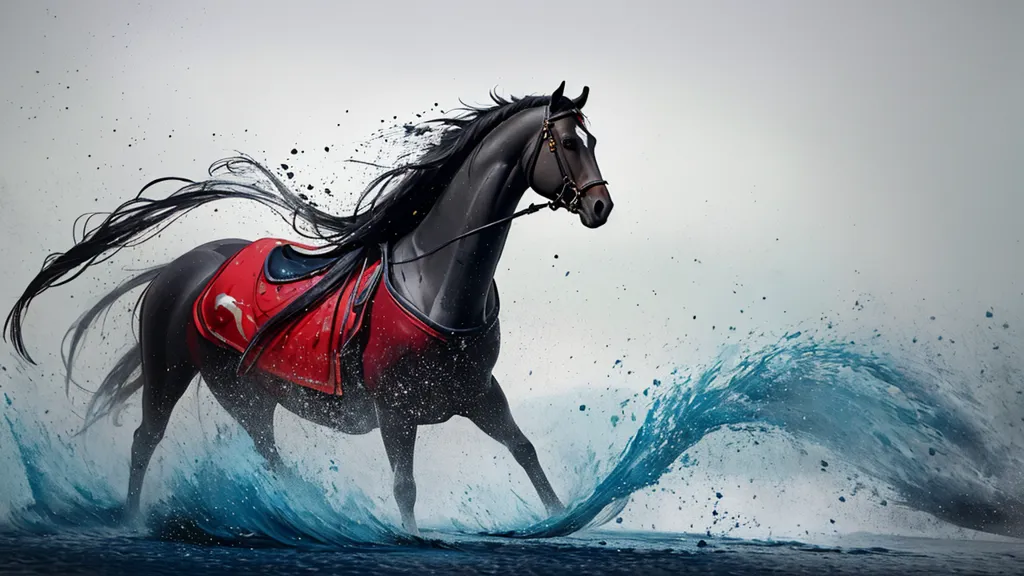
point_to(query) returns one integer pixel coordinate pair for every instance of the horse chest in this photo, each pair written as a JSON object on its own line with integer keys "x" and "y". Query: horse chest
{"x": 441, "y": 380}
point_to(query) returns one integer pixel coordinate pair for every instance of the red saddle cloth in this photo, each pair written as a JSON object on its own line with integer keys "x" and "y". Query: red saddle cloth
{"x": 239, "y": 300}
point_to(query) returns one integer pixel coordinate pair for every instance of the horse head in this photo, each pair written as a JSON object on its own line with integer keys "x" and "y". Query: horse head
{"x": 561, "y": 165}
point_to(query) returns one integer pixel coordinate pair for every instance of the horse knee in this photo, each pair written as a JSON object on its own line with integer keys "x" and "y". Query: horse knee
{"x": 522, "y": 450}
{"x": 405, "y": 486}
{"x": 405, "y": 493}
{"x": 148, "y": 435}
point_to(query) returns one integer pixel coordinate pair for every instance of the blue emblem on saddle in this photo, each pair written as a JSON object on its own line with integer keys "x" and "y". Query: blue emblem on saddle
{"x": 287, "y": 263}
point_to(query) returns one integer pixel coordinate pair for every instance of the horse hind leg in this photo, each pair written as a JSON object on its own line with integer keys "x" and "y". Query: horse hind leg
{"x": 258, "y": 422}
{"x": 244, "y": 401}
{"x": 160, "y": 393}
{"x": 167, "y": 365}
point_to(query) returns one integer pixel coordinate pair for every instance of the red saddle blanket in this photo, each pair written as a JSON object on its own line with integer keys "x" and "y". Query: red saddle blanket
{"x": 239, "y": 299}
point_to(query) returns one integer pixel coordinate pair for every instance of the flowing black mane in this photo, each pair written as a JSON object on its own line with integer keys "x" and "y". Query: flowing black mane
{"x": 419, "y": 184}
{"x": 398, "y": 201}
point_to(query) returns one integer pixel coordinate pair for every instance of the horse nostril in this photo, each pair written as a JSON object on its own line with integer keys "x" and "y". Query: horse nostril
{"x": 598, "y": 208}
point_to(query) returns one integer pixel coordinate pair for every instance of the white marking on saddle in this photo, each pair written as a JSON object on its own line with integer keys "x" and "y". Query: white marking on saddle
{"x": 231, "y": 305}
{"x": 582, "y": 135}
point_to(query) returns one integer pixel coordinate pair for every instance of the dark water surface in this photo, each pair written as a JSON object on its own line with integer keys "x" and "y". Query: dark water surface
{"x": 591, "y": 553}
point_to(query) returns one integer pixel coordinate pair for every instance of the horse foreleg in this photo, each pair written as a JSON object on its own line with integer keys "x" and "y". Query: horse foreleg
{"x": 493, "y": 416}
{"x": 400, "y": 443}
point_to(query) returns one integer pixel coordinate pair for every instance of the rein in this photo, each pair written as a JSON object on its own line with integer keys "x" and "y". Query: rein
{"x": 568, "y": 183}
{"x": 528, "y": 210}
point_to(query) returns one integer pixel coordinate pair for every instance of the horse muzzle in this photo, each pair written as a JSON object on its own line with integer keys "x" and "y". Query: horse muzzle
{"x": 595, "y": 206}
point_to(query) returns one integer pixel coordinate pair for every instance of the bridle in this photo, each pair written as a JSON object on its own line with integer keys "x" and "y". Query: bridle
{"x": 568, "y": 180}
{"x": 569, "y": 184}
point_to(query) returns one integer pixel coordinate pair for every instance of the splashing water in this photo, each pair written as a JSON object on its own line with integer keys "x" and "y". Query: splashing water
{"x": 885, "y": 421}
{"x": 888, "y": 422}
{"x": 227, "y": 497}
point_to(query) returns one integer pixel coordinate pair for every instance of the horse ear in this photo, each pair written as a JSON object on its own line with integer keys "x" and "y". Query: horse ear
{"x": 557, "y": 95}
{"x": 582, "y": 100}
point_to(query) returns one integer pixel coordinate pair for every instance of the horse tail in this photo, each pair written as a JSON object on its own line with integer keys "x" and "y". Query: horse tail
{"x": 140, "y": 219}
{"x": 125, "y": 378}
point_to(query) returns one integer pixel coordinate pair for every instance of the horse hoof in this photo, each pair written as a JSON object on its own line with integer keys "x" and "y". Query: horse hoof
{"x": 556, "y": 510}
{"x": 125, "y": 513}
{"x": 412, "y": 530}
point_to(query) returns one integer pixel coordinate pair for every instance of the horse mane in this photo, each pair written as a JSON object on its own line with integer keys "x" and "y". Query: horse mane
{"x": 402, "y": 196}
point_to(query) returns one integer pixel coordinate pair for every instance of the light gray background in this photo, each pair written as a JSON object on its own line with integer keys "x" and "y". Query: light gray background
{"x": 775, "y": 165}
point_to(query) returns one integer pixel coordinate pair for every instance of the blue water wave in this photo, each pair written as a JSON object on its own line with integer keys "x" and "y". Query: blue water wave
{"x": 890, "y": 422}
{"x": 228, "y": 497}
{"x": 886, "y": 421}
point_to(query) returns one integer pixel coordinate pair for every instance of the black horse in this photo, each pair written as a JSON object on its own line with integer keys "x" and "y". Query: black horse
{"x": 432, "y": 238}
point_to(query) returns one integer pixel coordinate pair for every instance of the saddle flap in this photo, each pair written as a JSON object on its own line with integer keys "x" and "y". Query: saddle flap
{"x": 239, "y": 300}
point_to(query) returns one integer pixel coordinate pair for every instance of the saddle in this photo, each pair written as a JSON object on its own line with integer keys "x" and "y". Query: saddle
{"x": 265, "y": 276}
{"x": 289, "y": 262}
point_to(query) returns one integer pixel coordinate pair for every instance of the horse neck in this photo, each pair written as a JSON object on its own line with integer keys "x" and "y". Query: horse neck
{"x": 453, "y": 286}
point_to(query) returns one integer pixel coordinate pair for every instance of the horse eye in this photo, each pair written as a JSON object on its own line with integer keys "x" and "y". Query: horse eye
{"x": 569, "y": 143}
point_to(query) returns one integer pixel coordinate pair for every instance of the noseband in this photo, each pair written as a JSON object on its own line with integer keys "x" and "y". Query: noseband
{"x": 569, "y": 185}
{"x": 571, "y": 204}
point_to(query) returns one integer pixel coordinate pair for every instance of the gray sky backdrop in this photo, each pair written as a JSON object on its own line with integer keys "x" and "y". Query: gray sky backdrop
{"x": 772, "y": 163}
{"x": 775, "y": 166}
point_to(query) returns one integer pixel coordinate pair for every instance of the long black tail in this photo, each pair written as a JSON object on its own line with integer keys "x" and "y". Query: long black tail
{"x": 126, "y": 377}
{"x": 80, "y": 328}
{"x": 140, "y": 219}
{"x": 124, "y": 380}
